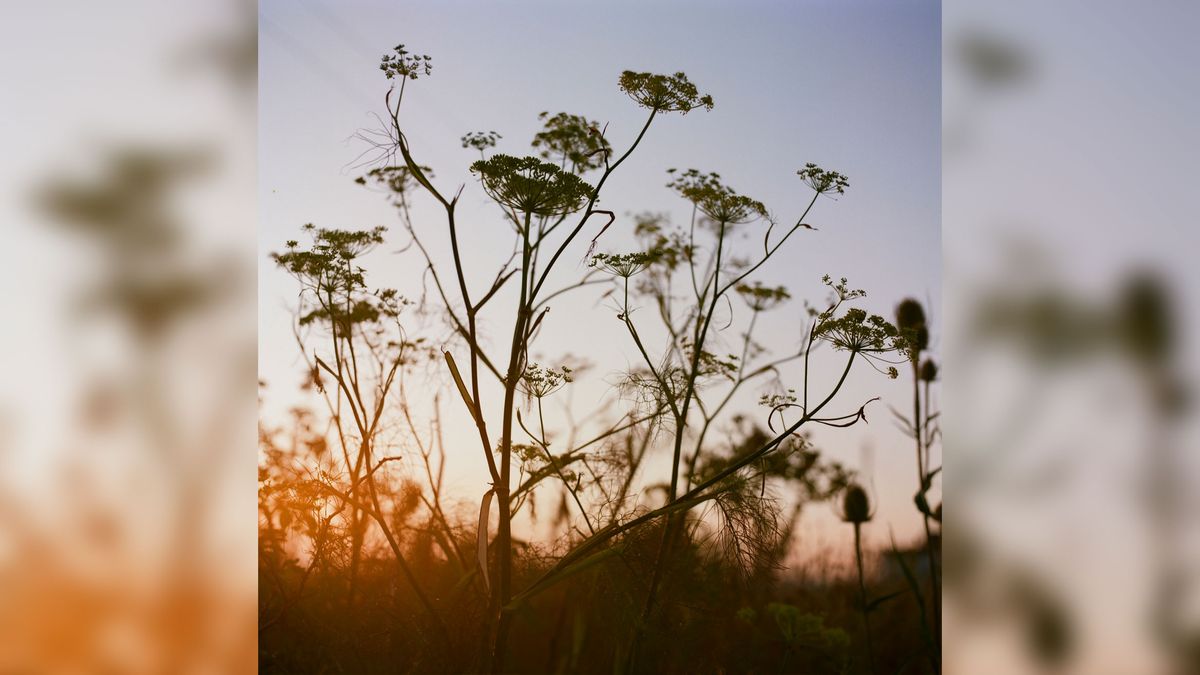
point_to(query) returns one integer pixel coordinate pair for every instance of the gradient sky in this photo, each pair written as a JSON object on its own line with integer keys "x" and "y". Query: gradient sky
{"x": 853, "y": 86}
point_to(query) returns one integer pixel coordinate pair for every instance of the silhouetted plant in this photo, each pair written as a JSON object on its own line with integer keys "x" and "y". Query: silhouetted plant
{"x": 711, "y": 525}
{"x": 924, "y": 429}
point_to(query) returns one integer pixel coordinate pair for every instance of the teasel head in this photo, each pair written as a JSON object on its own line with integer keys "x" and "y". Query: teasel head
{"x": 856, "y": 505}
{"x": 929, "y": 370}
{"x": 910, "y": 319}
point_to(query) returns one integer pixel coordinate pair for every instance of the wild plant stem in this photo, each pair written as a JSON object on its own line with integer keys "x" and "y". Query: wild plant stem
{"x": 504, "y": 499}
{"x": 922, "y": 476}
{"x": 862, "y": 594}
{"x": 685, "y": 501}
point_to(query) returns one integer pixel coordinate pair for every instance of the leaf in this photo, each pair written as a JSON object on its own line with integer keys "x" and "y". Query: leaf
{"x": 481, "y": 545}
{"x": 920, "y": 500}
{"x": 915, "y": 588}
{"x": 462, "y": 388}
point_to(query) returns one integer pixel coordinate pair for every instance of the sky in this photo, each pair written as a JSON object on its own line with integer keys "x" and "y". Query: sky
{"x": 851, "y": 86}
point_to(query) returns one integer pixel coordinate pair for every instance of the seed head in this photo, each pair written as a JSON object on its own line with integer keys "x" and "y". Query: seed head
{"x": 529, "y": 185}
{"x": 856, "y": 505}
{"x": 663, "y": 93}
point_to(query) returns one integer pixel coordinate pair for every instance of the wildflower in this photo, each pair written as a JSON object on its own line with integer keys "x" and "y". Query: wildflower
{"x": 822, "y": 181}
{"x": 405, "y": 64}
{"x": 532, "y": 186}
{"x": 625, "y": 265}
{"x": 663, "y": 93}
{"x": 859, "y": 332}
{"x": 715, "y": 199}
{"x": 761, "y": 298}
{"x": 778, "y": 399}
{"x": 539, "y": 382}
{"x": 397, "y": 179}
{"x": 647, "y": 224}
{"x": 480, "y": 140}
{"x": 572, "y": 139}
{"x": 329, "y": 252}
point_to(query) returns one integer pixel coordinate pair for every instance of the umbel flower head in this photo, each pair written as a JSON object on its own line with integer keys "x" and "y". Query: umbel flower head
{"x": 480, "y": 140}
{"x": 405, "y": 64}
{"x": 761, "y": 298}
{"x": 539, "y": 382}
{"x": 663, "y": 93}
{"x": 862, "y": 333}
{"x": 398, "y": 179}
{"x": 529, "y": 185}
{"x": 626, "y": 265}
{"x": 571, "y": 139}
{"x": 822, "y": 181}
{"x": 715, "y": 199}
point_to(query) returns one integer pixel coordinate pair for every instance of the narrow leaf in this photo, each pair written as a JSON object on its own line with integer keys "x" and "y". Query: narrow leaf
{"x": 481, "y": 545}
{"x": 462, "y": 388}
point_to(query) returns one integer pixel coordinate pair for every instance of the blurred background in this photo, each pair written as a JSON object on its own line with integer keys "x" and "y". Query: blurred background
{"x": 127, "y": 409}
{"x": 1069, "y": 248}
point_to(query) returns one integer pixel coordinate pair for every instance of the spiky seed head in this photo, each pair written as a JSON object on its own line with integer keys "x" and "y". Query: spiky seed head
{"x": 929, "y": 371}
{"x": 856, "y": 505}
{"x": 909, "y": 314}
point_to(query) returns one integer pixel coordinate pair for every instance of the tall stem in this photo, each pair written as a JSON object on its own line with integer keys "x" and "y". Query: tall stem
{"x": 504, "y": 499}
{"x": 862, "y": 594}
{"x": 922, "y": 475}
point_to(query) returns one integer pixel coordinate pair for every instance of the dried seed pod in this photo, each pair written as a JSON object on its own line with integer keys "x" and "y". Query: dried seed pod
{"x": 909, "y": 314}
{"x": 856, "y": 505}
{"x": 910, "y": 319}
{"x": 929, "y": 371}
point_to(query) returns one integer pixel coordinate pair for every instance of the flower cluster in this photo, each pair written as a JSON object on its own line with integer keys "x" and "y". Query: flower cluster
{"x": 529, "y": 455}
{"x": 398, "y": 179}
{"x": 670, "y": 248}
{"x": 572, "y": 139}
{"x": 626, "y": 265}
{"x": 648, "y": 224}
{"x": 714, "y": 365}
{"x": 862, "y": 333}
{"x": 539, "y": 382}
{"x": 715, "y": 199}
{"x": 480, "y": 140}
{"x": 663, "y": 93}
{"x": 761, "y": 298}
{"x": 331, "y": 250}
{"x": 822, "y": 181}
{"x": 327, "y": 268}
{"x": 778, "y": 400}
{"x": 405, "y": 64}
{"x": 529, "y": 185}
{"x": 841, "y": 293}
